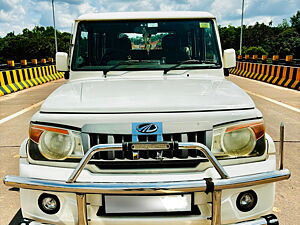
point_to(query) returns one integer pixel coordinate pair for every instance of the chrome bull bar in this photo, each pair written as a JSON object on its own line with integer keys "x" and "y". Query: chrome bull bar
{"x": 215, "y": 186}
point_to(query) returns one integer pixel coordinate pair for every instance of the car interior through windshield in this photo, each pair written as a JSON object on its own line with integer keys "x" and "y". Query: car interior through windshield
{"x": 153, "y": 45}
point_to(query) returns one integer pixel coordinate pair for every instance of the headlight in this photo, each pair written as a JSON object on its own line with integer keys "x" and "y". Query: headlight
{"x": 239, "y": 140}
{"x": 56, "y": 143}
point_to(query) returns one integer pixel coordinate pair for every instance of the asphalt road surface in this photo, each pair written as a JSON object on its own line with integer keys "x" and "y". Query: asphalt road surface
{"x": 276, "y": 103}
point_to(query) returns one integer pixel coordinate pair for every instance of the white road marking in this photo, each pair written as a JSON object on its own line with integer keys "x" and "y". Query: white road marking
{"x": 274, "y": 101}
{"x": 20, "y": 112}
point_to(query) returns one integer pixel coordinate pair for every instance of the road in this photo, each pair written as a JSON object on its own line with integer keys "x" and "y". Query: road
{"x": 276, "y": 103}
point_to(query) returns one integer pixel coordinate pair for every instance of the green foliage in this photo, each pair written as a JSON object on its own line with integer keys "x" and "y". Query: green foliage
{"x": 230, "y": 37}
{"x": 295, "y": 22}
{"x": 32, "y": 44}
{"x": 265, "y": 39}
{"x": 253, "y": 50}
{"x": 257, "y": 39}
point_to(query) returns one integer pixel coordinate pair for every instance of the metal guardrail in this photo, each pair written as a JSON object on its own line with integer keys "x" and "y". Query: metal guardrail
{"x": 5, "y": 67}
{"x": 274, "y": 60}
{"x": 24, "y": 64}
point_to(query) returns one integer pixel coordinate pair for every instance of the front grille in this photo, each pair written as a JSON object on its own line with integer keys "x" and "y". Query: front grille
{"x": 147, "y": 158}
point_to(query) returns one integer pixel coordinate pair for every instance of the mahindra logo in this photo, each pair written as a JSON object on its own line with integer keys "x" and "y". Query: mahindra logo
{"x": 146, "y": 128}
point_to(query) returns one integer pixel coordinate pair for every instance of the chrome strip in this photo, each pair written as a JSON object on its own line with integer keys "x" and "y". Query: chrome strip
{"x": 113, "y": 147}
{"x": 146, "y": 187}
{"x": 216, "y": 207}
{"x": 81, "y": 209}
{"x": 259, "y": 221}
{"x": 87, "y": 157}
{"x": 206, "y": 151}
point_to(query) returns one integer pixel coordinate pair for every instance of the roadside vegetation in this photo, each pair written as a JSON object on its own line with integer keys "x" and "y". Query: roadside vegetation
{"x": 260, "y": 39}
{"x": 37, "y": 43}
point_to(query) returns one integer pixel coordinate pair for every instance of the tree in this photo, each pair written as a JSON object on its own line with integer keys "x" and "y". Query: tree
{"x": 260, "y": 38}
{"x": 255, "y": 50}
{"x": 283, "y": 39}
{"x": 295, "y": 21}
{"x": 36, "y": 43}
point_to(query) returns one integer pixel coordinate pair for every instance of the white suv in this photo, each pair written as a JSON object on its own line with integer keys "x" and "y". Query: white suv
{"x": 147, "y": 130}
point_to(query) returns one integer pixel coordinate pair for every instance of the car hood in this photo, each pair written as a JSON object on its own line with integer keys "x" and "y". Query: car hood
{"x": 140, "y": 96}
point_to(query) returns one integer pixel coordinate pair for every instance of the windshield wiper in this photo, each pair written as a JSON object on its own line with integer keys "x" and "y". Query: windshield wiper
{"x": 127, "y": 62}
{"x": 190, "y": 61}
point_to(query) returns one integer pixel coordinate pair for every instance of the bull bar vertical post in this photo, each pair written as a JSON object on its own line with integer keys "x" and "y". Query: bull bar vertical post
{"x": 81, "y": 209}
{"x": 216, "y": 208}
{"x": 216, "y": 194}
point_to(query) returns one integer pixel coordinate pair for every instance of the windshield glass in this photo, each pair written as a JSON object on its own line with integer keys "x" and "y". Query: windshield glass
{"x": 142, "y": 45}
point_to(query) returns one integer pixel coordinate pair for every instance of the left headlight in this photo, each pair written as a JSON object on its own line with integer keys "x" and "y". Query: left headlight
{"x": 56, "y": 143}
{"x": 239, "y": 140}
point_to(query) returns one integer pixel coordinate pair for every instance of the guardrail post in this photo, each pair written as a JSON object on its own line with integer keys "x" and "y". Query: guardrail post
{"x": 43, "y": 61}
{"x": 50, "y": 60}
{"x": 240, "y": 57}
{"x": 275, "y": 59}
{"x": 264, "y": 58}
{"x": 289, "y": 59}
{"x": 11, "y": 63}
{"x": 247, "y": 57}
{"x": 23, "y": 63}
{"x": 34, "y": 62}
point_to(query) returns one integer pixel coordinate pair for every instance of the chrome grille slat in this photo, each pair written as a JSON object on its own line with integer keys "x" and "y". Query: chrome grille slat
{"x": 184, "y": 137}
{"x": 184, "y": 156}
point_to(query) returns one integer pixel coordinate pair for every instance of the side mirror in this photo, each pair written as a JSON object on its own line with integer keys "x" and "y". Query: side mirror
{"x": 61, "y": 59}
{"x": 229, "y": 58}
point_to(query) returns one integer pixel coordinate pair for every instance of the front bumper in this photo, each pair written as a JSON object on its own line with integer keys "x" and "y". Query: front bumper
{"x": 208, "y": 185}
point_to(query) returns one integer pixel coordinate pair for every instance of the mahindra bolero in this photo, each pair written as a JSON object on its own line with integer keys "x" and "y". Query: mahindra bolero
{"x": 147, "y": 130}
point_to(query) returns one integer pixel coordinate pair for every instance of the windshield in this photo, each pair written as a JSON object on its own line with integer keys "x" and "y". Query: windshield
{"x": 146, "y": 45}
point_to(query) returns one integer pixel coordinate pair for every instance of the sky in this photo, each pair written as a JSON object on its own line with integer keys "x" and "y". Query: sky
{"x": 15, "y": 15}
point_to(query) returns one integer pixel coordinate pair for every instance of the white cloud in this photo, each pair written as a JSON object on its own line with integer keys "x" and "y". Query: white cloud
{"x": 15, "y": 15}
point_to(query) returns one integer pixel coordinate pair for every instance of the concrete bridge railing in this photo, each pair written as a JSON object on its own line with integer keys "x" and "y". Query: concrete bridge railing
{"x": 13, "y": 80}
{"x": 281, "y": 75}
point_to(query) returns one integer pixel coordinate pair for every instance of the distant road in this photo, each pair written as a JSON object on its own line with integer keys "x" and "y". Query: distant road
{"x": 276, "y": 103}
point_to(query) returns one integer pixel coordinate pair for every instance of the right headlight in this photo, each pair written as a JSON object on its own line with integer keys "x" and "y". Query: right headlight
{"x": 239, "y": 140}
{"x": 54, "y": 143}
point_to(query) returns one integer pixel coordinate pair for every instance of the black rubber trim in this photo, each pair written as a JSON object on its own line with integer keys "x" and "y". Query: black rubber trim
{"x": 196, "y": 111}
{"x": 235, "y": 121}
{"x": 56, "y": 125}
{"x": 17, "y": 219}
{"x": 271, "y": 219}
{"x": 210, "y": 186}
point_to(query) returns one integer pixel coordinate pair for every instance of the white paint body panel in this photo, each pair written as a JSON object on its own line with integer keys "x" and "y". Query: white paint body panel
{"x": 145, "y": 15}
{"x": 183, "y": 100}
{"x": 152, "y": 94}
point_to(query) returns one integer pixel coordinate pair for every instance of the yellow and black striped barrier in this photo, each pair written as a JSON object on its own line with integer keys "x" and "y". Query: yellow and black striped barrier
{"x": 19, "y": 79}
{"x": 286, "y": 76}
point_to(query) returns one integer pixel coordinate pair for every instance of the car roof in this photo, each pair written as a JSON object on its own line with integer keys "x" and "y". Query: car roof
{"x": 145, "y": 15}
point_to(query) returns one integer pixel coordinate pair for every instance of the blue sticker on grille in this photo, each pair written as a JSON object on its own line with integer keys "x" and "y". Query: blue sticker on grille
{"x": 153, "y": 128}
